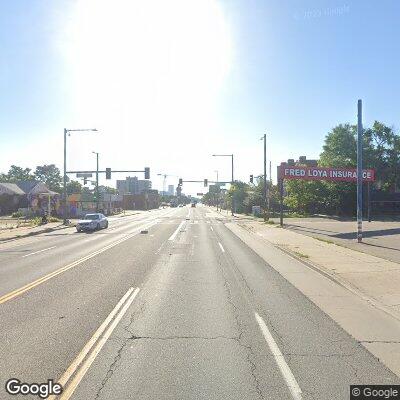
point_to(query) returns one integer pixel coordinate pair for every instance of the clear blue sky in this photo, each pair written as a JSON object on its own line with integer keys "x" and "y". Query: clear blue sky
{"x": 167, "y": 87}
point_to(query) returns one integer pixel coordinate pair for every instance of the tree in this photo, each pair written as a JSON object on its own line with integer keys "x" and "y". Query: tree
{"x": 381, "y": 147}
{"x": 16, "y": 174}
{"x": 74, "y": 187}
{"x": 50, "y": 175}
{"x": 107, "y": 189}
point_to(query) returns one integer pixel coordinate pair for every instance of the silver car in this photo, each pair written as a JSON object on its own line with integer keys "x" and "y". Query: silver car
{"x": 92, "y": 222}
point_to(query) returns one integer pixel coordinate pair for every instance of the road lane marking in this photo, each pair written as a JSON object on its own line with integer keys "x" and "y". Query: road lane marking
{"x": 37, "y": 282}
{"x": 280, "y": 360}
{"x": 173, "y": 236}
{"x": 221, "y": 247}
{"x": 212, "y": 228}
{"x": 96, "y": 343}
{"x": 160, "y": 248}
{"x": 39, "y": 251}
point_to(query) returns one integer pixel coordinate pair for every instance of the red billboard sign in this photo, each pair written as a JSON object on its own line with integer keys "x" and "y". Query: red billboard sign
{"x": 327, "y": 174}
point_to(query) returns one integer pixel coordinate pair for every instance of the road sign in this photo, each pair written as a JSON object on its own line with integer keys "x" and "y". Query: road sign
{"x": 84, "y": 175}
{"x": 200, "y": 194}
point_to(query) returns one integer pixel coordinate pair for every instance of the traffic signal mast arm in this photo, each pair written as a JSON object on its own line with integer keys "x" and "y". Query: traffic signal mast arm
{"x": 108, "y": 172}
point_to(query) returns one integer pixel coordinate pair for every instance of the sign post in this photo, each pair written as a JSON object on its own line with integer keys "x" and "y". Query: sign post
{"x": 359, "y": 172}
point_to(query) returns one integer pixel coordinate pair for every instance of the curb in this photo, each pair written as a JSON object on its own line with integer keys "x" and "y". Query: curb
{"x": 334, "y": 278}
{"x": 47, "y": 230}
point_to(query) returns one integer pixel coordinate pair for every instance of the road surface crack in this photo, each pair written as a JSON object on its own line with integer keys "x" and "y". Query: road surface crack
{"x": 250, "y": 355}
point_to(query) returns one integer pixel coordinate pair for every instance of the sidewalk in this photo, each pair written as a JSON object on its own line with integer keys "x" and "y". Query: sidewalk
{"x": 370, "y": 277}
{"x": 26, "y": 231}
{"x": 360, "y": 292}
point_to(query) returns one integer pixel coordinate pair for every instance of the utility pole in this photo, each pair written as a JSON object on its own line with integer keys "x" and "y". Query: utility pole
{"x": 97, "y": 180}
{"x": 265, "y": 177}
{"x": 232, "y": 179}
{"x": 65, "y": 179}
{"x": 67, "y": 131}
{"x": 359, "y": 171}
{"x": 270, "y": 186}
{"x": 233, "y": 194}
{"x": 217, "y": 194}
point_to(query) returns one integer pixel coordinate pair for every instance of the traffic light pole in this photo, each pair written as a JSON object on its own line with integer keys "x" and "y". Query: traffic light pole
{"x": 97, "y": 182}
{"x": 266, "y": 216}
{"x": 65, "y": 179}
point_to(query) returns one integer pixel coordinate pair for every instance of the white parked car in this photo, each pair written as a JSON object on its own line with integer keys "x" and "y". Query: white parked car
{"x": 92, "y": 222}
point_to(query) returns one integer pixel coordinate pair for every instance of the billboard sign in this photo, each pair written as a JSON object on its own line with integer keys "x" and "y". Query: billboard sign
{"x": 327, "y": 174}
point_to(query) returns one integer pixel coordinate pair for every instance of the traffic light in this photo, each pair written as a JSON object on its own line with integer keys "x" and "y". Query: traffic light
{"x": 205, "y": 182}
{"x": 108, "y": 173}
{"x": 146, "y": 173}
{"x": 180, "y": 181}
{"x": 251, "y": 178}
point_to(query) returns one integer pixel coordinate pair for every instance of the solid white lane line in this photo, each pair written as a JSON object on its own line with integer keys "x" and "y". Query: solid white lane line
{"x": 39, "y": 251}
{"x": 280, "y": 360}
{"x": 222, "y": 249}
{"x": 97, "y": 348}
{"x": 173, "y": 236}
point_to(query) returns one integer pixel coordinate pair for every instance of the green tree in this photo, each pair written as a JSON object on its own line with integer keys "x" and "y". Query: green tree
{"x": 381, "y": 147}
{"x": 107, "y": 189}
{"x": 74, "y": 187}
{"x": 50, "y": 175}
{"x": 16, "y": 174}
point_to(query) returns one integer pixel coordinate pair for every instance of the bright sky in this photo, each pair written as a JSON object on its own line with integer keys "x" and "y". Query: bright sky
{"x": 168, "y": 83}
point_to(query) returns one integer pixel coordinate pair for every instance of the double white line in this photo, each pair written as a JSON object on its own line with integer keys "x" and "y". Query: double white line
{"x": 77, "y": 370}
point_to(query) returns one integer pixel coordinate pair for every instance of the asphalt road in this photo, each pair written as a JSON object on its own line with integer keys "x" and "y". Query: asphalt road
{"x": 186, "y": 311}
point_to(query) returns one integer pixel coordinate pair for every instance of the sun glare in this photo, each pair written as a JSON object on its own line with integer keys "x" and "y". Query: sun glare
{"x": 147, "y": 65}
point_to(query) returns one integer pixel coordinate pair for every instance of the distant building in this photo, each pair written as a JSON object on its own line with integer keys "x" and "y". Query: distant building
{"x": 133, "y": 185}
{"x": 302, "y": 161}
{"x": 122, "y": 187}
{"x": 171, "y": 190}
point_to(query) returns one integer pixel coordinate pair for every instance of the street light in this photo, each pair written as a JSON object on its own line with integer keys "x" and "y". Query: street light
{"x": 68, "y": 131}
{"x": 217, "y": 189}
{"x": 97, "y": 180}
{"x": 266, "y": 211}
{"x": 232, "y": 181}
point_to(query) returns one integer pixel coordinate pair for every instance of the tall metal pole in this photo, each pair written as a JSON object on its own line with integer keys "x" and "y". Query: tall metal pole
{"x": 97, "y": 182}
{"x": 359, "y": 172}
{"x": 280, "y": 183}
{"x": 270, "y": 187}
{"x": 217, "y": 195}
{"x": 233, "y": 195}
{"x": 65, "y": 179}
{"x": 265, "y": 177}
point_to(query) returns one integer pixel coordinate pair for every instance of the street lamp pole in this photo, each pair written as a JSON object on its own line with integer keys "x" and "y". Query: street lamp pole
{"x": 266, "y": 211}
{"x": 232, "y": 180}
{"x": 67, "y": 132}
{"x": 65, "y": 179}
{"x": 217, "y": 191}
{"x": 97, "y": 180}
